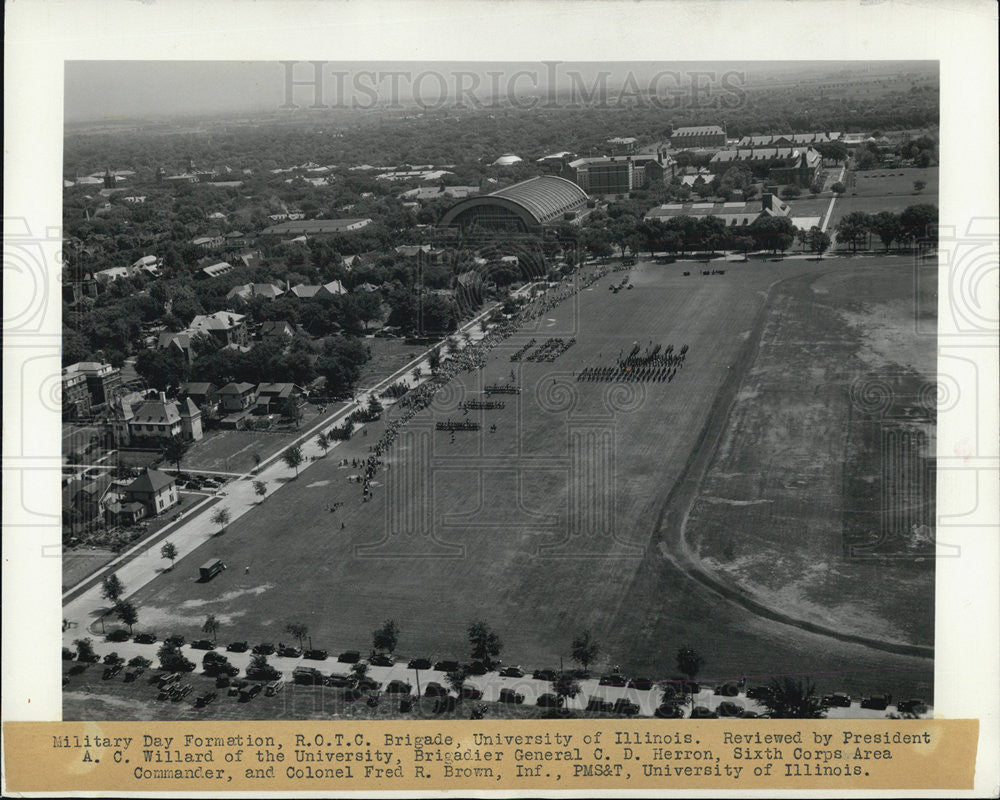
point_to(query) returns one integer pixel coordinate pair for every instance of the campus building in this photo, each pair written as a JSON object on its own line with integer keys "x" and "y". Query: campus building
{"x": 156, "y": 421}
{"x": 526, "y": 206}
{"x": 778, "y": 165}
{"x": 734, "y": 215}
{"x": 316, "y": 227}
{"x": 698, "y": 136}
{"x": 104, "y": 382}
{"x": 611, "y": 176}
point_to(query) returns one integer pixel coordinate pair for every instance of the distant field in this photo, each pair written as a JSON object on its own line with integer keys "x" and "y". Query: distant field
{"x": 547, "y": 526}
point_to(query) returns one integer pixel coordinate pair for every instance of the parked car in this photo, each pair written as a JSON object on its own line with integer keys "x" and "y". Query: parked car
{"x": 287, "y": 651}
{"x": 477, "y": 668}
{"x": 202, "y": 644}
{"x": 625, "y": 706}
{"x": 144, "y": 638}
{"x": 248, "y": 693}
{"x": 544, "y": 675}
{"x": 349, "y": 657}
{"x": 237, "y": 647}
{"x": 550, "y": 700}
{"x": 339, "y": 681}
{"x": 440, "y": 666}
{"x": 118, "y": 635}
{"x": 702, "y": 712}
{"x": 914, "y": 706}
{"x": 222, "y": 682}
{"x": 598, "y": 704}
{"x": 423, "y": 663}
{"x": 433, "y": 689}
{"x": 749, "y": 715}
{"x": 167, "y": 678}
{"x": 113, "y": 658}
{"x": 274, "y": 687}
{"x": 111, "y": 671}
{"x": 669, "y": 711}
{"x": 471, "y": 693}
{"x": 264, "y": 649}
{"x": 307, "y": 676}
{"x": 381, "y": 660}
{"x": 759, "y": 693}
{"x": 204, "y": 699}
{"x": 613, "y": 679}
{"x": 179, "y": 691}
{"x": 727, "y": 708}
{"x": 397, "y": 687}
{"x": 640, "y": 683}
{"x": 879, "y": 702}
{"x": 367, "y": 684}
{"x": 315, "y": 655}
{"x": 175, "y": 640}
{"x": 510, "y": 696}
{"x": 236, "y": 687}
{"x": 263, "y": 673}
{"x": 836, "y": 700}
{"x": 512, "y": 672}
{"x": 728, "y": 689}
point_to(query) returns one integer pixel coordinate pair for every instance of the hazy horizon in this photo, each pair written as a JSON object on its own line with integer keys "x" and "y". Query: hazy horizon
{"x": 128, "y": 90}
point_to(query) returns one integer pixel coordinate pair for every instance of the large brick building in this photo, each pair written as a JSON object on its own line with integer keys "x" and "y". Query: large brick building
{"x": 698, "y": 136}
{"x": 104, "y": 382}
{"x": 611, "y": 176}
{"x": 778, "y": 165}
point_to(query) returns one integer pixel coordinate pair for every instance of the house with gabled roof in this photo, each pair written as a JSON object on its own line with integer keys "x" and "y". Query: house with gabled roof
{"x": 236, "y": 397}
{"x": 155, "y": 490}
{"x": 227, "y": 327}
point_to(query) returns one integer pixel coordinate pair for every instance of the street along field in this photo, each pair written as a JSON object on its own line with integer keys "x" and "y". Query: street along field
{"x": 555, "y": 521}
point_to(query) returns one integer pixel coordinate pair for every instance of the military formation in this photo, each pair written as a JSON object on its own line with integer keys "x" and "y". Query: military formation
{"x": 655, "y": 364}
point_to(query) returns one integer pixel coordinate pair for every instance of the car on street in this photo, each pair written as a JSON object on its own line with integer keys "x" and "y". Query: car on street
{"x": 544, "y": 675}
{"x": 599, "y": 704}
{"x": 422, "y": 663}
{"x": 914, "y": 706}
{"x": 669, "y": 711}
{"x": 550, "y": 700}
{"x": 264, "y": 649}
{"x": 727, "y": 708}
{"x": 510, "y": 696}
{"x": 471, "y": 693}
{"x": 236, "y": 687}
{"x": 315, "y": 655}
{"x": 339, "y": 681}
{"x": 202, "y": 644}
{"x": 349, "y": 657}
{"x": 643, "y": 684}
{"x": 287, "y": 651}
{"x": 759, "y": 693}
{"x": 433, "y": 689}
{"x": 836, "y": 700}
{"x": 878, "y": 702}
{"x": 144, "y": 638}
{"x": 274, "y": 687}
{"x": 398, "y": 687}
{"x": 440, "y": 666}
{"x": 613, "y": 679}
{"x": 237, "y": 647}
{"x": 625, "y": 706}
{"x": 702, "y": 712}
{"x": 512, "y": 672}
{"x": 381, "y": 660}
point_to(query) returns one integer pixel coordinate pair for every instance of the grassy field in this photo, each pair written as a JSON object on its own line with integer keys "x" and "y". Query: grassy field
{"x": 886, "y": 190}
{"x": 549, "y": 525}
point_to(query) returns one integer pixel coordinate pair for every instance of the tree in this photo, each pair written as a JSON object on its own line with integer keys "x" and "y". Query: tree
{"x": 368, "y": 306}
{"x": 853, "y": 228}
{"x": 919, "y": 186}
{"x": 298, "y": 630}
{"x": 323, "y": 442}
{"x": 838, "y": 188}
{"x": 293, "y": 457}
{"x": 584, "y": 649}
{"x": 221, "y": 518}
{"x": 175, "y": 450}
{"x": 260, "y": 488}
{"x": 360, "y": 670}
{"x": 84, "y": 650}
{"x": 211, "y": 626}
{"x": 456, "y": 680}
{"x": 816, "y": 240}
{"x": 139, "y": 663}
{"x": 172, "y": 660}
{"x": 125, "y": 611}
{"x": 112, "y": 588}
{"x": 434, "y": 359}
{"x": 565, "y": 685}
{"x": 689, "y": 662}
{"x": 790, "y": 699}
{"x": 486, "y": 644}
{"x": 885, "y": 225}
{"x": 169, "y": 552}
{"x": 919, "y": 223}
{"x": 386, "y": 637}
{"x": 744, "y": 244}
{"x": 772, "y": 233}
{"x": 790, "y": 192}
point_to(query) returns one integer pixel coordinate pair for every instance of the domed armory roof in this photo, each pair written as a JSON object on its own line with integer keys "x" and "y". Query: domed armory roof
{"x": 506, "y": 160}
{"x": 546, "y": 197}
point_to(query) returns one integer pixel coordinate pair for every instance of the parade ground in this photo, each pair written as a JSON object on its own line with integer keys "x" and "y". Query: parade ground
{"x": 632, "y": 507}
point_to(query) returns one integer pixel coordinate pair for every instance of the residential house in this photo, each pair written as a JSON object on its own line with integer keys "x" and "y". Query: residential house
{"x": 215, "y": 270}
{"x": 180, "y": 341}
{"x": 155, "y": 490}
{"x": 204, "y": 395}
{"x": 247, "y": 290}
{"x": 209, "y": 242}
{"x": 227, "y": 327}
{"x": 281, "y": 331}
{"x": 86, "y": 500}
{"x": 279, "y": 398}
{"x": 236, "y": 397}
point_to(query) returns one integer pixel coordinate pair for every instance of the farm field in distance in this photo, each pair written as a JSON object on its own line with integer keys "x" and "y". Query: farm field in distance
{"x": 558, "y": 521}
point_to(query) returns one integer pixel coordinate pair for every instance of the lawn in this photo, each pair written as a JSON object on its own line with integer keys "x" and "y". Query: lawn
{"x": 886, "y": 190}
{"x": 549, "y": 525}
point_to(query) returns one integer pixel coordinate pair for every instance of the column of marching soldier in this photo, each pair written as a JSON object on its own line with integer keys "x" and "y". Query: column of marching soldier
{"x": 654, "y": 364}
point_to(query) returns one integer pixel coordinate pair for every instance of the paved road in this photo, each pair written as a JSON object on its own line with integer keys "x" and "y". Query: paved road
{"x": 490, "y": 684}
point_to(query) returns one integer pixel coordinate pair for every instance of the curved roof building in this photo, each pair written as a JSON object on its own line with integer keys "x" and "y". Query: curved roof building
{"x": 506, "y": 160}
{"x": 528, "y": 205}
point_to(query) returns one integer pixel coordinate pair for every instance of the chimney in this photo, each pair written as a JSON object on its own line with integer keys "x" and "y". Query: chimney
{"x": 163, "y": 397}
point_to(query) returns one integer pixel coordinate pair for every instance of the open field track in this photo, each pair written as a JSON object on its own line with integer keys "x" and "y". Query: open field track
{"x": 569, "y": 515}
